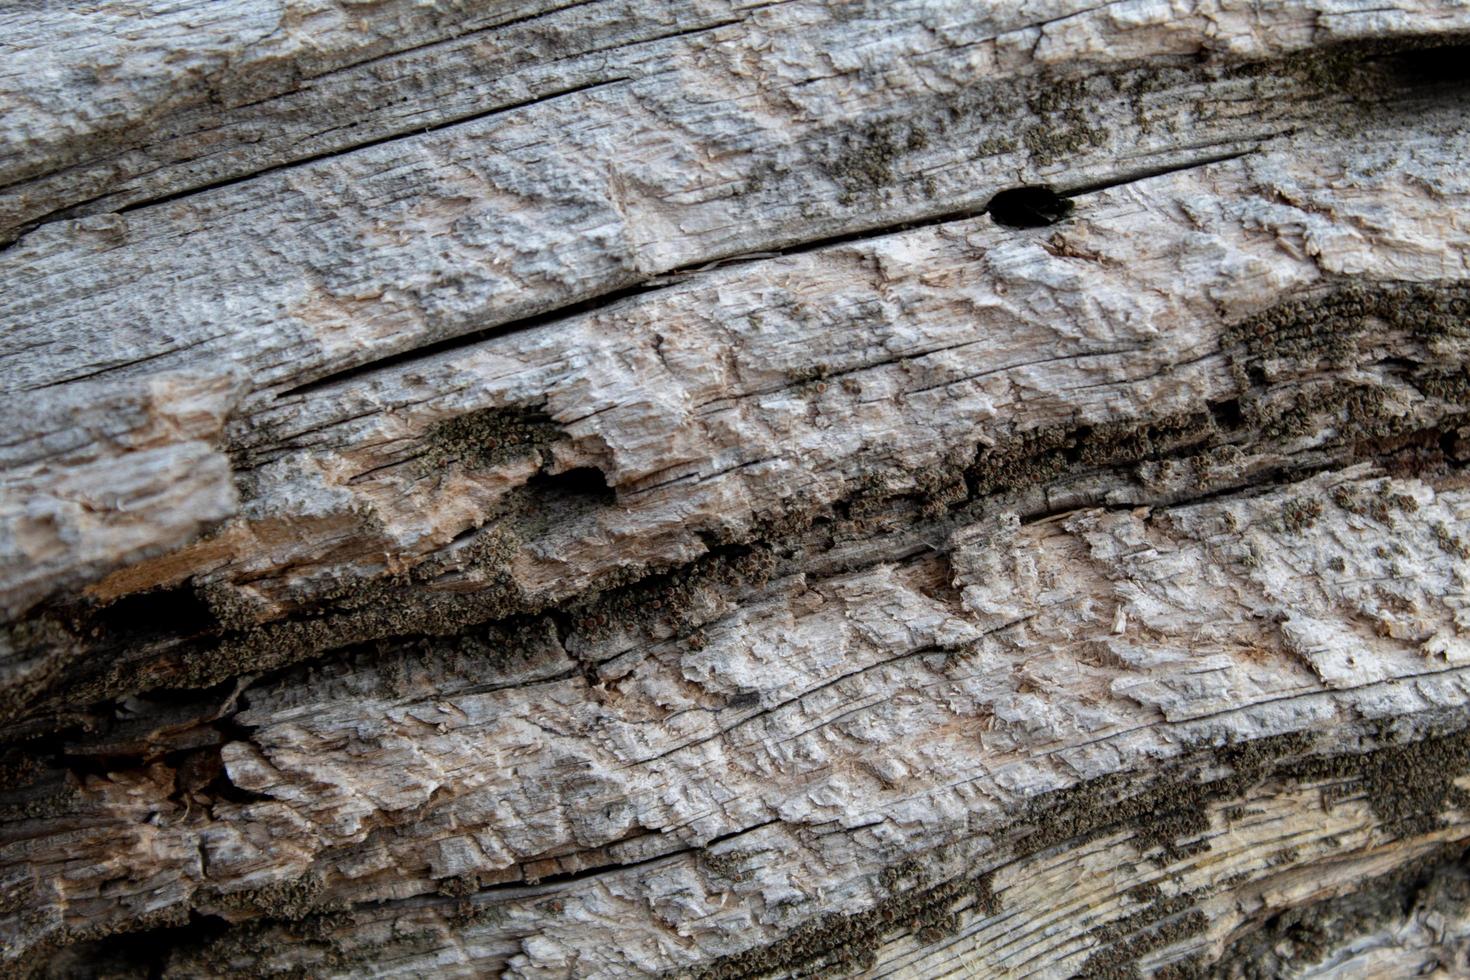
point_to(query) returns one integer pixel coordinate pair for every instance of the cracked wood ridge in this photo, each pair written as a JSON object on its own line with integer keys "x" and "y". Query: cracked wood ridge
{"x": 591, "y": 489}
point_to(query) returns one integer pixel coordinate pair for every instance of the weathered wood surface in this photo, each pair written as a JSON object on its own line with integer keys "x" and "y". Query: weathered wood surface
{"x": 586, "y": 489}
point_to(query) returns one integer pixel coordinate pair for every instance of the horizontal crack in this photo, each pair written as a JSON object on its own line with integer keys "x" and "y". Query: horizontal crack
{"x": 684, "y": 274}
{"x": 306, "y": 161}
{"x": 1149, "y": 173}
{"x": 1026, "y": 472}
{"x": 549, "y": 882}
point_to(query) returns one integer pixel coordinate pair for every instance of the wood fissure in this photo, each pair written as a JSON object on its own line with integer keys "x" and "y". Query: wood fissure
{"x": 731, "y": 489}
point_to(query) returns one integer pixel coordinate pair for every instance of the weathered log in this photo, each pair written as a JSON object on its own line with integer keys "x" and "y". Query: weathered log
{"x": 733, "y": 489}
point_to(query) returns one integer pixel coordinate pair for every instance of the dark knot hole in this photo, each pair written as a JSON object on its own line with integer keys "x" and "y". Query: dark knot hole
{"x": 1034, "y": 206}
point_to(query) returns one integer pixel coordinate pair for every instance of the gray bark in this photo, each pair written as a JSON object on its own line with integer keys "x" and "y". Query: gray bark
{"x": 608, "y": 489}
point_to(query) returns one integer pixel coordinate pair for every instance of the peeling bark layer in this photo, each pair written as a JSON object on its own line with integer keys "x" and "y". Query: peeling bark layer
{"x": 608, "y": 489}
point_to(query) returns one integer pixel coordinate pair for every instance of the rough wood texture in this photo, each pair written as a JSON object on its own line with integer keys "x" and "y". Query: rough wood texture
{"x": 591, "y": 489}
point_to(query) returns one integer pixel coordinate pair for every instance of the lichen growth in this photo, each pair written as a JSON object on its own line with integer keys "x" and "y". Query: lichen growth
{"x": 291, "y": 900}
{"x": 1406, "y": 778}
{"x": 1352, "y": 410}
{"x": 1039, "y": 456}
{"x": 730, "y": 865}
{"x": 869, "y": 158}
{"x": 1438, "y": 882}
{"x": 458, "y": 886}
{"x": 1300, "y": 513}
{"x": 1447, "y": 386}
{"x": 489, "y": 437}
{"x": 1327, "y": 330}
{"x": 671, "y": 601}
{"x": 46, "y": 796}
{"x": 1064, "y": 128}
{"x": 1162, "y": 920}
{"x": 837, "y": 943}
{"x": 1449, "y": 542}
{"x": 229, "y": 606}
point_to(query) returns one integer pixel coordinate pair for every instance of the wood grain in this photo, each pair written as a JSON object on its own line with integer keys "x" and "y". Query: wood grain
{"x": 590, "y": 489}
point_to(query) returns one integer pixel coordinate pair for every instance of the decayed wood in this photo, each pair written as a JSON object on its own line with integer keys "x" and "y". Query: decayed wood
{"x": 105, "y": 473}
{"x": 587, "y": 489}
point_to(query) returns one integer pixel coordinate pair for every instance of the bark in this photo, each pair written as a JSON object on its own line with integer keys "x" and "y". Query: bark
{"x": 731, "y": 489}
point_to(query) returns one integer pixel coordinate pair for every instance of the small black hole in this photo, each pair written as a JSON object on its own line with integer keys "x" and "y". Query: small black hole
{"x": 178, "y": 610}
{"x": 1028, "y": 207}
{"x": 1432, "y": 66}
{"x": 1227, "y": 414}
{"x": 585, "y": 482}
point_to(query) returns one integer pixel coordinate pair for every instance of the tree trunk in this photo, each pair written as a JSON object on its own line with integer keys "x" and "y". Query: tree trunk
{"x": 723, "y": 489}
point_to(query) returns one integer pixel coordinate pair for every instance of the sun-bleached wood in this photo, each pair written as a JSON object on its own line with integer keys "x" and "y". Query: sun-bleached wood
{"x": 587, "y": 489}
